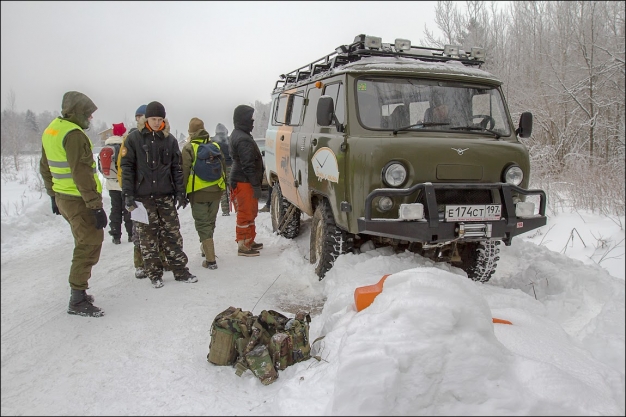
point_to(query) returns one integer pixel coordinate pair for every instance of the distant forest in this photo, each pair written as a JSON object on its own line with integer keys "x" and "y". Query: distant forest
{"x": 561, "y": 60}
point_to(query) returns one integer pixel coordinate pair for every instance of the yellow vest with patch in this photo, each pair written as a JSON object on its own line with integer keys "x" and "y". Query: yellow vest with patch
{"x": 52, "y": 140}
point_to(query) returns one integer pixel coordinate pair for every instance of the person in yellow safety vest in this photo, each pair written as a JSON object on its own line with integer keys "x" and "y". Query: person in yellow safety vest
{"x": 68, "y": 169}
{"x": 204, "y": 196}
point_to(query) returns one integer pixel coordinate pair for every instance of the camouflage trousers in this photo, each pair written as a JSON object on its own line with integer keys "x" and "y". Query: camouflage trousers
{"x": 137, "y": 257}
{"x": 163, "y": 232}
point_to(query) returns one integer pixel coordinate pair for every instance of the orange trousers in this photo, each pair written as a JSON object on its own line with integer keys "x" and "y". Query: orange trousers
{"x": 247, "y": 208}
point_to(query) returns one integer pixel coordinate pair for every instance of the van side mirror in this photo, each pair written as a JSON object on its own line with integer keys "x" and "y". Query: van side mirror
{"x": 325, "y": 110}
{"x": 525, "y": 125}
{"x": 326, "y": 113}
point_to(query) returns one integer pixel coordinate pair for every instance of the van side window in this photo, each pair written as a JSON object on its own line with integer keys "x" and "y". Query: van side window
{"x": 295, "y": 108}
{"x": 280, "y": 107}
{"x": 336, "y": 92}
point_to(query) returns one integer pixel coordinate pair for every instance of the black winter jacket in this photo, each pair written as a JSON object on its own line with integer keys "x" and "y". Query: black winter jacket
{"x": 247, "y": 159}
{"x": 151, "y": 166}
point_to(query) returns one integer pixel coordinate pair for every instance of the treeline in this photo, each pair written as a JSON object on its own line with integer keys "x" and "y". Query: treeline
{"x": 563, "y": 61}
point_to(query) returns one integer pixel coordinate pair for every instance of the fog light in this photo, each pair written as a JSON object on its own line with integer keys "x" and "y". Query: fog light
{"x": 524, "y": 209}
{"x": 385, "y": 204}
{"x": 414, "y": 211}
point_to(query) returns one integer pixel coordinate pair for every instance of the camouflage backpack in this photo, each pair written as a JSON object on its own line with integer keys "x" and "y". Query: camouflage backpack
{"x": 227, "y": 330}
{"x": 264, "y": 344}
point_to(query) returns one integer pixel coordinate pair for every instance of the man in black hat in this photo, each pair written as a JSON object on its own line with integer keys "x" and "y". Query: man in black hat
{"x": 152, "y": 175}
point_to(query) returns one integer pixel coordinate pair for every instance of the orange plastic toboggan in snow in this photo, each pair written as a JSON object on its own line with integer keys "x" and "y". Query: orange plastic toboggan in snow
{"x": 364, "y": 296}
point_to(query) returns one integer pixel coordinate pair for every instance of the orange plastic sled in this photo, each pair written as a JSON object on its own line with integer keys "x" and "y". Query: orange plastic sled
{"x": 364, "y": 296}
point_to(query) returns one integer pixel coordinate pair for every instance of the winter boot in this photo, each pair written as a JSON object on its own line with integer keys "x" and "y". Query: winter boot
{"x": 187, "y": 277}
{"x": 117, "y": 240}
{"x": 256, "y": 246}
{"x": 80, "y": 306}
{"x": 140, "y": 273}
{"x": 208, "y": 248}
{"x": 245, "y": 249}
{"x": 157, "y": 282}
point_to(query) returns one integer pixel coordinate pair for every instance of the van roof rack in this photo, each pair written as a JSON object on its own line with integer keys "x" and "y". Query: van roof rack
{"x": 364, "y": 46}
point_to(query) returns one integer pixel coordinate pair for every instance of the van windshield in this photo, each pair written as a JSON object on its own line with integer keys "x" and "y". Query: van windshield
{"x": 414, "y": 104}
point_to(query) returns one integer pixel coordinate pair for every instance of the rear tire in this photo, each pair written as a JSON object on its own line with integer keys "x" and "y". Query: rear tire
{"x": 478, "y": 259}
{"x": 327, "y": 240}
{"x": 278, "y": 211}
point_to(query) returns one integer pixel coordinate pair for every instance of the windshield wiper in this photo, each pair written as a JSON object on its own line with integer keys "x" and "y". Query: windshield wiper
{"x": 421, "y": 124}
{"x": 477, "y": 128}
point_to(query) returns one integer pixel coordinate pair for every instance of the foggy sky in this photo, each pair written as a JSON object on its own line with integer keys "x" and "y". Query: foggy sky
{"x": 199, "y": 59}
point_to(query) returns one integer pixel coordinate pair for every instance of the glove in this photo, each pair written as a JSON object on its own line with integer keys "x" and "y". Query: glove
{"x": 181, "y": 201}
{"x": 130, "y": 203}
{"x": 101, "y": 218}
{"x": 55, "y": 209}
{"x": 257, "y": 192}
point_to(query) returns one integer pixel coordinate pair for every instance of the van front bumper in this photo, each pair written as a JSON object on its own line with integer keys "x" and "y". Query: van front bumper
{"x": 435, "y": 229}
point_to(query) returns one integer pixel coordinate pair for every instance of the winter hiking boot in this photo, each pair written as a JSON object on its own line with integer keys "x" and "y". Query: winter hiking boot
{"x": 157, "y": 282}
{"x": 226, "y": 213}
{"x": 117, "y": 240}
{"x": 256, "y": 246}
{"x": 80, "y": 306}
{"x": 208, "y": 250}
{"x": 245, "y": 250}
{"x": 140, "y": 273}
{"x": 187, "y": 277}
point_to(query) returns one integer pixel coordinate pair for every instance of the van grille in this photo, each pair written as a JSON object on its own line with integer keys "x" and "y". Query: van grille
{"x": 452, "y": 196}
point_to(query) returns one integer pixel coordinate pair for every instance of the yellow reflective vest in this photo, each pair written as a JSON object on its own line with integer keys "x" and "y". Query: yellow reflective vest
{"x": 194, "y": 183}
{"x": 52, "y": 140}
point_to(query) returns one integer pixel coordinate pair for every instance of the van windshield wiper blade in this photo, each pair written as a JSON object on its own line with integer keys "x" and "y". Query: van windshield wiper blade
{"x": 420, "y": 124}
{"x": 477, "y": 128}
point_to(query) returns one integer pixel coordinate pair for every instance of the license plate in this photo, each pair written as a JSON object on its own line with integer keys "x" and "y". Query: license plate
{"x": 472, "y": 213}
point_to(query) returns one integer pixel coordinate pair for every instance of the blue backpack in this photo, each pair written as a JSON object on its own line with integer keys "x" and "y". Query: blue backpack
{"x": 208, "y": 163}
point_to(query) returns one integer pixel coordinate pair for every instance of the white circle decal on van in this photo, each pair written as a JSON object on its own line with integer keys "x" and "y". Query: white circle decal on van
{"x": 325, "y": 165}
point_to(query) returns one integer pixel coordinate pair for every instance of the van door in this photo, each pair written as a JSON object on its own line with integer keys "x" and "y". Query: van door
{"x": 327, "y": 156}
{"x": 303, "y": 148}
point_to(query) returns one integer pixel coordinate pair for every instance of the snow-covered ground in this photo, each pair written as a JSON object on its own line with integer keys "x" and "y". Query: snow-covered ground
{"x": 426, "y": 346}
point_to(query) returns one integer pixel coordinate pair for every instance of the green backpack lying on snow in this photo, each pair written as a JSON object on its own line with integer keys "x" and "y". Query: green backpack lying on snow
{"x": 264, "y": 344}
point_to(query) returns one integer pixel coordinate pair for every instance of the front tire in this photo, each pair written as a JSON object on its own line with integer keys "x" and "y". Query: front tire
{"x": 281, "y": 208}
{"x": 327, "y": 240}
{"x": 478, "y": 259}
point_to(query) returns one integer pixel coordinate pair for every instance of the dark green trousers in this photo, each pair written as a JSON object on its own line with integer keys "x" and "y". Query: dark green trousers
{"x": 87, "y": 240}
{"x": 204, "y": 215}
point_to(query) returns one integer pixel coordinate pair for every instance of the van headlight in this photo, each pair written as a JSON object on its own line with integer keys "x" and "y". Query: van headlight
{"x": 513, "y": 175}
{"x": 394, "y": 174}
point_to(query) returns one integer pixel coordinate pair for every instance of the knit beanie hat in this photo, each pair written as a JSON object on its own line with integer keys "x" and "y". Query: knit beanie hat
{"x": 118, "y": 129}
{"x": 155, "y": 109}
{"x": 141, "y": 110}
{"x": 195, "y": 125}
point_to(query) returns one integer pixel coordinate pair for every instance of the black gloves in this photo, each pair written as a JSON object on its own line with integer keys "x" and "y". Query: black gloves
{"x": 181, "y": 201}
{"x": 55, "y": 209}
{"x": 257, "y": 192}
{"x": 130, "y": 203}
{"x": 101, "y": 218}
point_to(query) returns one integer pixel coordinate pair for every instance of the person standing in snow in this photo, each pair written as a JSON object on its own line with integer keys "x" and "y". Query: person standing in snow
{"x": 137, "y": 258}
{"x": 68, "y": 169}
{"x": 118, "y": 211}
{"x": 221, "y": 137}
{"x": 245, "y": 180}
{"x": 204, "y": 196}
{"x": 152, "y": 175}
